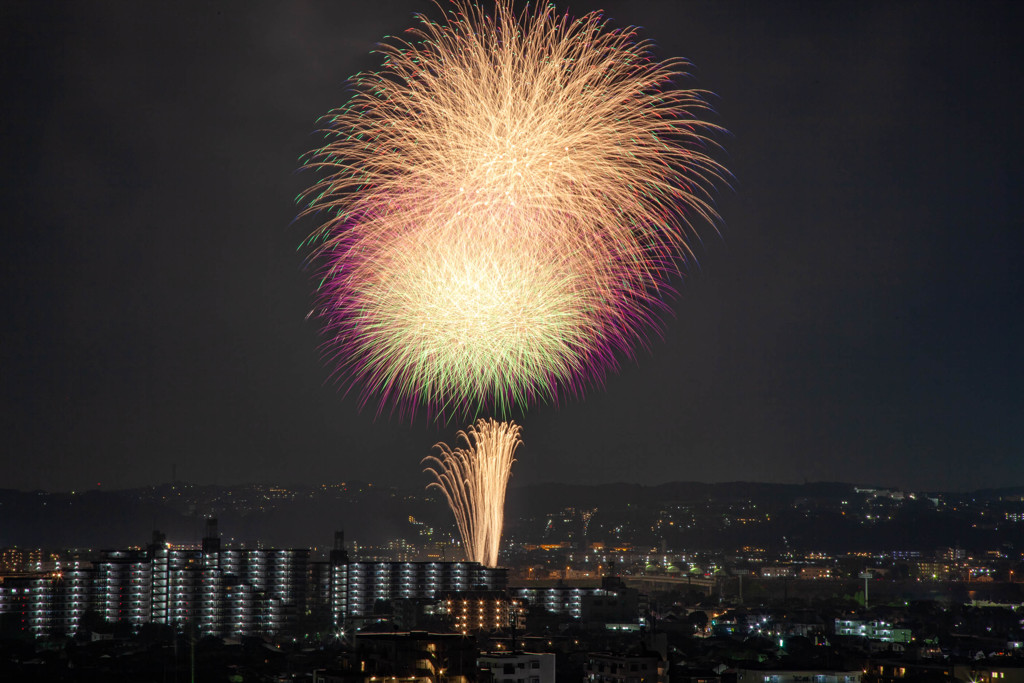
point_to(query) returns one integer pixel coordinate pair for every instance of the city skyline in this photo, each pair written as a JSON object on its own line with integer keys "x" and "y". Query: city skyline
{"x": 857, "y": 319}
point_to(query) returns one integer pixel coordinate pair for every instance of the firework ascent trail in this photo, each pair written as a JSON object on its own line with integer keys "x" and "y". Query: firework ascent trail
{"x": 473, "y": 480}
{"x": 503, "y": 205}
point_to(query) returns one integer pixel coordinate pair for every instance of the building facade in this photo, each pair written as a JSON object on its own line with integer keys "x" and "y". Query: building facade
{"x": 612, "y": 602}
{"x": 797, "y": 676}
{"x": 230, "y": 592}
{"x": 518, "y": 667}
{"x": 356, "y": 587}
{"x": 639, "y": 667}
{"x": 873, "y": 630}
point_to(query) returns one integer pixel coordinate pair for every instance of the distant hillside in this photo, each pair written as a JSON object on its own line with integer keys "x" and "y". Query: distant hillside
{"x": 824, "y": 515}
{"x": 539, "y": 495}
{"x": 246, "y": 514}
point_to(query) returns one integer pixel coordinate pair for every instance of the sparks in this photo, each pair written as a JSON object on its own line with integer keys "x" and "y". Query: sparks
{"x": 504, "y": 204}
{"x": 473, "y": 480}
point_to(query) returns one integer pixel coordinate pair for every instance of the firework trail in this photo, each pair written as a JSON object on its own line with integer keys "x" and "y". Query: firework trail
{"x": 473, "y": 480}
{"x": 503, "y": 205}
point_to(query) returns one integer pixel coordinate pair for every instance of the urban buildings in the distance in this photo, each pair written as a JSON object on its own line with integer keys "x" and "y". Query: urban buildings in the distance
{"x": 234, "y": 591}
{"x": 607, "y": 589}
{"x": 226, "y": 591}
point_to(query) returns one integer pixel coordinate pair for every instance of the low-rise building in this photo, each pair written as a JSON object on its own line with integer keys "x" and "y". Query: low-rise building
{"x": 612, "y": 602}
{"x": 873, "y": 630}
{"x": 480, "y": 611}
{"x": 797, "y": 676}
{"x": 518, "y": 667}
{"x": 416, "y": 654}
{"x": 777, "y": 572}
{"x": 815, "y": 573}
{"x": 640, "y": 667}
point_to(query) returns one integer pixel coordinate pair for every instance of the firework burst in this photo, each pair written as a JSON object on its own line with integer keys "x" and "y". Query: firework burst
{"x": 504, "y": 202}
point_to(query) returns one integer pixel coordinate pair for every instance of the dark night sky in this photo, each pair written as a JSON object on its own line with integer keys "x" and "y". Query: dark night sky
{"x": 858, "y": 319}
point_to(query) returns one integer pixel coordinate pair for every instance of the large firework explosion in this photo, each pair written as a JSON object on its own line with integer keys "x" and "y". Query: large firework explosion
{"x": 506, "y": 200}
{"x": 473, "y": 480}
